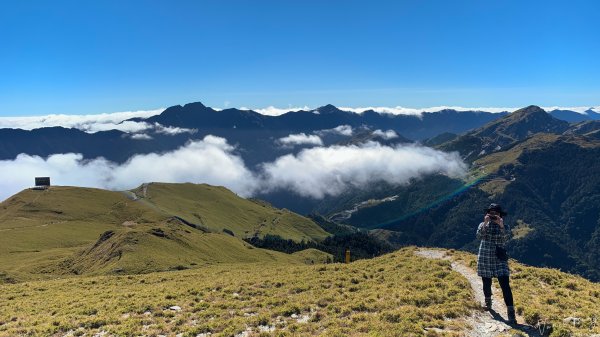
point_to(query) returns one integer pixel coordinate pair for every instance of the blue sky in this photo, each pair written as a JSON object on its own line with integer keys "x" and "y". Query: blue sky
{"x": 79, "y": 57}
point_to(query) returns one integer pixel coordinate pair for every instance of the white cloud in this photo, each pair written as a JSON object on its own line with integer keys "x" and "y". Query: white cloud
{"x": 88, "y": 123}
{"x": 389, "y": 134}
{"x": 63, "y": 169}
{"x": 301, "y": 138}
{"x": 399, "y": 110}
{"x": 579, "y": 109}
{"x": 322, "y": 171}
{"x": 172, "y": 130}
{"x": 273, "y": 111}
{"x": 141, "y": 136}
{"x": 207, "y": 161}
{"x": 314, "y": 172}
{"x": 127, "y": 126}
{"x": 344, "y": 130}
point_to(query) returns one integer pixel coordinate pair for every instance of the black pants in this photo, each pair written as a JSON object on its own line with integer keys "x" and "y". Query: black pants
{"x": 504, "y": 284}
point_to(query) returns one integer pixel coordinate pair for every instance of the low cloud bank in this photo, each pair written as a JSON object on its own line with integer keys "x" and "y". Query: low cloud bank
{"x": 344, "y": 130}
{"x": 118, "y": 120}
{"x": 579, "y": 109}
{"x": 88, "y": 123}
{"x": 96, "y": 123}
{"x": 210, "y": 161}
{"x": 400, "y": 110}
{"x": 141, "y": 136}
{"x": 172, "y": 130}
{"x": 316, "y": 172}
{"x": 300, "y": 139}
{"x": 274, "y": 111}
{"x": 389, "y": 134}
{"x": 323, "y": 171}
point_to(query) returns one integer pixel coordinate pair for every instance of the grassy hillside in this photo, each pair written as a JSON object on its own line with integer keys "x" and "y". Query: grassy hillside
{"x": 172, "y": 246}
{"x": 388, "y": 296}
{"x": 71, "y": 230}
{"x": 398, "y": 294}
{"x": 312, "y": 256}
{"x": 41, "y": 228}
{"x": 217, "y": 209}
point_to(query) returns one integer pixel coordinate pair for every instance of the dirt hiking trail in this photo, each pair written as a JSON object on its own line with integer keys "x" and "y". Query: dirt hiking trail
{"x": 484, "y": 323}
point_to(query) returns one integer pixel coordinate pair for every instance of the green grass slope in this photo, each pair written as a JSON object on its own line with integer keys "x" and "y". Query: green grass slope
{"x": 168, "y": 246}
{"x": 70, "y": 230}
{"x": 217, "y": 208}
{"x": 41, "y": 228}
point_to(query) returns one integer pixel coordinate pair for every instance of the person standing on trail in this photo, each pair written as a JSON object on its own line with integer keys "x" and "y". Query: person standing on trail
{"x": 492, "y": 260}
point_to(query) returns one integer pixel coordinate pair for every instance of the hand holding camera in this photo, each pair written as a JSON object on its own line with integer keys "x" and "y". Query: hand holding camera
{"x": 489, "y": 217}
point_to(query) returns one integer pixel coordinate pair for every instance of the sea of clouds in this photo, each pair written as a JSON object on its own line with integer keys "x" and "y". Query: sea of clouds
{"x": 312, "y": 172}
{"x": 119, "y": 120}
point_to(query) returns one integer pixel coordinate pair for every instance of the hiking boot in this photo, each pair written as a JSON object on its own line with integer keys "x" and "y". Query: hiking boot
{"x": 510, "y": 312}
{"x": 488, "y": 303}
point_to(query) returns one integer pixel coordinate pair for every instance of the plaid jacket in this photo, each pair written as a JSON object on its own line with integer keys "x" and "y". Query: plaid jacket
{"x": 488, "y": 265}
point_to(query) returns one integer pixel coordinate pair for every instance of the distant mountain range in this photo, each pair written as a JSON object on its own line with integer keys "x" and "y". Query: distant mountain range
{"x": 253, "y": 132}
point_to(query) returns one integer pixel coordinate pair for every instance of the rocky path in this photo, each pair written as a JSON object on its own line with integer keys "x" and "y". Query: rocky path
{"x": 484, "y": 323}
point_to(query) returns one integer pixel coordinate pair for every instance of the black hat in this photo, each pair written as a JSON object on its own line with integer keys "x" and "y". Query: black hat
{"x": 495, "y": 207}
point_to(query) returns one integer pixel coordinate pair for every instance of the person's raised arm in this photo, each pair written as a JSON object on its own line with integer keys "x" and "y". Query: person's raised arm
{"x": 483, "y": 227}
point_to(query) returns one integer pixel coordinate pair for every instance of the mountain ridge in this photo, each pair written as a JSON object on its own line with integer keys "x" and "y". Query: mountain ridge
{"x": 72, "y": 230}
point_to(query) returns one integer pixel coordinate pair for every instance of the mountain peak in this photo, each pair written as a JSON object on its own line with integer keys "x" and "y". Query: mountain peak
{"x": 194, "y": 105}
{"x": 329, "y": 108}
{"x": 531, "y": 110}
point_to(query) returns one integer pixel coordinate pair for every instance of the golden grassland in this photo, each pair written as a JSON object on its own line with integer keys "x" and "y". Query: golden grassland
{"x": 548, "y": 296}
{"x": 398, "y": 294}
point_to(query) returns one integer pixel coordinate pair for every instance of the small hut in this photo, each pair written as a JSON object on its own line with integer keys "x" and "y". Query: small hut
{"x": 42, "y": 183}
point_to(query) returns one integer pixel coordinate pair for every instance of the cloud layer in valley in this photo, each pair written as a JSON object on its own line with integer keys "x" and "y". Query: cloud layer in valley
{"x": 389, "y": 134}
{"x": 344, "y": 130}
{"x": 314, "y": 172}
{"x": 321, "y": 171}
{"x": 300, "y": 139}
